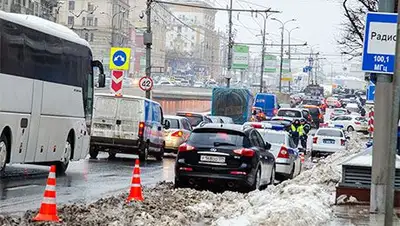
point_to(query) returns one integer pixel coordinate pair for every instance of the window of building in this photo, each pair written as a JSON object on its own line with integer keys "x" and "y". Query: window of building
{"x": 83, "y": 21}
{"x": 192, "y": 44}
{"x": 95, "y": 22}
{"x": 86, "y": 36}
{"x": 179, "y": 28}
{"x": 90, "y": 6}
{"x": 91, "y": 37}
{"x": 71, "y": 5}
{"x": 185, "y": 44}
{"x": 70, "y": 20}
{"x": 89, "y": 21}
{"x": 192, "y": 37}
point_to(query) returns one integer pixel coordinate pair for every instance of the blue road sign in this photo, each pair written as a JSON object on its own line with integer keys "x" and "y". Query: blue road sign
{"x": 379, "y": 43}
{"x": 307, "y": 69}
{"x": 371, "y": 92}
{"x": 119, "y": 58}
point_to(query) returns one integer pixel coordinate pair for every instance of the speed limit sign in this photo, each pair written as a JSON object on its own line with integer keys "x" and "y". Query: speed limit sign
{"x": 145, "y": 83}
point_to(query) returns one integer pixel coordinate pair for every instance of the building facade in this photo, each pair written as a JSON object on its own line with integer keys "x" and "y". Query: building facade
{"x": 192, "y": 42}
{"x": 103, "y": 24}
{"x": 46, "y": 9}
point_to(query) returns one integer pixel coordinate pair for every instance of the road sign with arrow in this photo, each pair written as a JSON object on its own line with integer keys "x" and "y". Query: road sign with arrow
{"x": 119, "y": 58}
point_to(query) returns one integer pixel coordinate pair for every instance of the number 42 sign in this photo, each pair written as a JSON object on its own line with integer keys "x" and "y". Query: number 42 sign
{"x": 145, "y": 83}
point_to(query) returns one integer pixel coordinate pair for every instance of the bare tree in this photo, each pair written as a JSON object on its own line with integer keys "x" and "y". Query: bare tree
{"x": 352, "y": 36}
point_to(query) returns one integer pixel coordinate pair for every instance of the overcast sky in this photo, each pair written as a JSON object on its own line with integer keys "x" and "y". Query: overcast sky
{"x": 319, "y": 22}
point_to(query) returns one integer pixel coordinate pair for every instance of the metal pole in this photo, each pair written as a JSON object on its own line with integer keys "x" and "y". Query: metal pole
{"x": 148, "y": 42}
{"x": 262, "y": 56}
{"x": 230, "y": 46}
{"x": 281, "y": 64}
{"x": 383, "y": 156}
{"x": 394, "y": 107}
{"x": 290, "y": 63}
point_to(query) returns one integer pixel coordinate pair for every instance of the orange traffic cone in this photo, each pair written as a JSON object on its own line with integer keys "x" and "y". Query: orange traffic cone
{"x": 136, "y": 187}
{"x": 48, "y": 208}
{"x": 302, "y": 157}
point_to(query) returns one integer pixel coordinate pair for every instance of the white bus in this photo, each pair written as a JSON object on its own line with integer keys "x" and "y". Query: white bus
{"x": 46, "y": 92}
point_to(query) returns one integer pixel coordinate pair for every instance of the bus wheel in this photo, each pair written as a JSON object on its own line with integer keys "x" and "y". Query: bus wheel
{"x": 3, "y": 153}
{"x": 63, "y": 164}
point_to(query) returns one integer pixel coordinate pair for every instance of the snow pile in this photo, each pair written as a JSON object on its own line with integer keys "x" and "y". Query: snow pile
{"x": 305, "y": 200}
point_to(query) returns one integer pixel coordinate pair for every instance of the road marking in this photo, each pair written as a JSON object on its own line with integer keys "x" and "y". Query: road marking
{"x": 21, "y": 187}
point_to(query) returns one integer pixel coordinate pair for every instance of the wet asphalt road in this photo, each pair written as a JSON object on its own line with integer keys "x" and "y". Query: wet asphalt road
{"x": 87, "y": 180}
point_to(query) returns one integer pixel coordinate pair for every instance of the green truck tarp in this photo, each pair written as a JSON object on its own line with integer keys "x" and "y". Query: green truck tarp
{"x": 234, "y": 103}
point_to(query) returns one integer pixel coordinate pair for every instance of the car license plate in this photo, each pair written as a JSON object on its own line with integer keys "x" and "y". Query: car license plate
{"x": 208, "y": 158}
{"x": 329, "y": 141}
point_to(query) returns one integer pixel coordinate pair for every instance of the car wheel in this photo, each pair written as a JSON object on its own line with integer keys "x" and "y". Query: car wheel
{"x": 159, "y": 156}
{"x": 350, "y": 129}
{"x": 257, "y": 181}
{"x": 179, "y": 183}
{"x": 144, "y": 152}
{"x": 291, "y": 175}
{"x": 93, "y": 152}
{"x": 3, "y": 153}
{"x": 272, "y": 179}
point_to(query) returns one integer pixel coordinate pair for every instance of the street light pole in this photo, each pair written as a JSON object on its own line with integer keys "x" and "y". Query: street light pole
{"x": 289, "y": 52}
{"x": 281, "y": 63}
{"x": 148, "y": 40}
{"x": 230, "y": 46}
{"x": 263, "y": 53}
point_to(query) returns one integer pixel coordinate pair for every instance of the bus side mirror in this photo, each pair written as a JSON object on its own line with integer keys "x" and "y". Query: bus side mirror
{"x": 102, "y": 80}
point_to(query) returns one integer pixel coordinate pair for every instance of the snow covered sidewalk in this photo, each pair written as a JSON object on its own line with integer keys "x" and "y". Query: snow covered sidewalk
{"x": 305, "y": 200}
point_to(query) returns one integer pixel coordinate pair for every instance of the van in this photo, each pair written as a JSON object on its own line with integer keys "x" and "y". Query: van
{"x": 129, "y": 125}
{"x": 267, "y": 102}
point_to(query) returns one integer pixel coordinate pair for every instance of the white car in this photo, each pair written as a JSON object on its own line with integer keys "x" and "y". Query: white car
{"x": 198, "y": 84}
{"x": 338, "y": 112}
{"x": 287, "y": 160}
{"x": 165, "y": 83}
{"x": 352, "y": 107}
{"x": 327, "y": 141}
{"x": 177, "y": 133}
{"x": 351, "y": 123}
{"x": 184, "y": 83}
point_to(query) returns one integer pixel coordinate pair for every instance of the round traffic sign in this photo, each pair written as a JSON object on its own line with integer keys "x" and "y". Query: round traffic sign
{"x": 145, "y": 83}
{"x": 119, "y": 58}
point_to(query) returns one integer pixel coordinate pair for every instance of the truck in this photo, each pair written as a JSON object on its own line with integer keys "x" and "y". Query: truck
{"x": 268, "y": 103}
{"x": 234, "y": 103}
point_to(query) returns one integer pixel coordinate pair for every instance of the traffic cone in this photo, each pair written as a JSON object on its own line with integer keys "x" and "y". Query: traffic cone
{"x": 48, "y": 208}
{"x": 302, "y": 157}
{"x": 136, "y": 187}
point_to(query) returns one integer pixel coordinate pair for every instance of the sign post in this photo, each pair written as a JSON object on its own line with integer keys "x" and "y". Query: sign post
{"x": 379, "y": 57}
{"x": 119, "y": 62}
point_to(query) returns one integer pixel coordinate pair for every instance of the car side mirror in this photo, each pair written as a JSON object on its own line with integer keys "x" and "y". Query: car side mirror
{"x": 302, "y": 150}
{"x": 167, "y": 124}
{"x": 267, "y": 146}
{"x": 347, "y": 138}
{"x": 202, "y": 123}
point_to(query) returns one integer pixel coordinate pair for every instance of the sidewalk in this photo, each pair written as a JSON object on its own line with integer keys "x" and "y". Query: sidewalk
{"x": 348, "y": 215}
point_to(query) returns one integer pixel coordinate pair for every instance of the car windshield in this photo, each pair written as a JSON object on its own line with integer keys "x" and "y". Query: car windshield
{"x": 215, "y": 137}
{"x": 193, "y": 119}
{"x": 289, "y": 113}
{"x": 174, "y": 123}
{"x": 330, "y": 133}
{"x": 273, "y": 138}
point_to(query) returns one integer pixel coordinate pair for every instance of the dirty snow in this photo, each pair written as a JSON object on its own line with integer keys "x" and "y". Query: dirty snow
{"x": 305, "y": 200}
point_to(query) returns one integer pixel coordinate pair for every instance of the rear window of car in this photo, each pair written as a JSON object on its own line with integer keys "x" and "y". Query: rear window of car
{"x": 273, "y": 138}
{"x": 289, "y": 113}
{"x": 340, "y": 112}
{"x": 174, "y": 123}
{"x": 193, "y": 119}
{"x": 361, "y": 119}
{"x": 213, "y": 137}
{"x": 329, "y": 133}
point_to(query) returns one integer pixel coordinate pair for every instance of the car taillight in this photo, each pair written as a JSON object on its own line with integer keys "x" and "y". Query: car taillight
{"x": 141, "y": 129}
{"x": 283, "y": 153}
{"x": 177, "y": 134}
{"x": 244, "y": 152}
{"x": 256, "y": 126}
{"x": 357, "y": 123}
{"x": 314, "y": 140}
{"x": 343, "y": 142}
{"x": 185, "y": 147}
